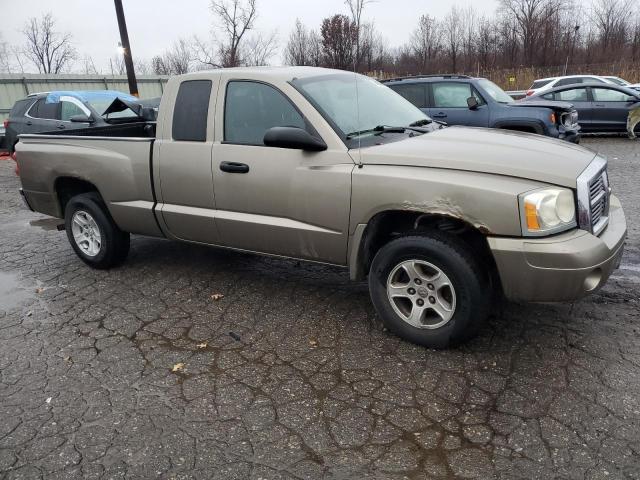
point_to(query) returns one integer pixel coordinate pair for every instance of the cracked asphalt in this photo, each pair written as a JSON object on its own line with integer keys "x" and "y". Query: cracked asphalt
{"x": 290, "y": 375}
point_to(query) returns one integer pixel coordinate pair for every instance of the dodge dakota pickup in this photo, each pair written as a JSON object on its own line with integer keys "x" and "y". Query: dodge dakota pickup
{"x": 333, "y": 167}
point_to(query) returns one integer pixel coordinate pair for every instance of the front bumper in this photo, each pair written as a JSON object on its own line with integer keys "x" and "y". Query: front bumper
{"x": 563, "y": 267}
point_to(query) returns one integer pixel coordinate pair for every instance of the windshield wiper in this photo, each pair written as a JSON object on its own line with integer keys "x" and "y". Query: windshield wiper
{"x": 380, "y": 129}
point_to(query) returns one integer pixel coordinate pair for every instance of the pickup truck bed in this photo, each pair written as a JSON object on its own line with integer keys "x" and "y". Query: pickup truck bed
{"x": 122, "y": 152}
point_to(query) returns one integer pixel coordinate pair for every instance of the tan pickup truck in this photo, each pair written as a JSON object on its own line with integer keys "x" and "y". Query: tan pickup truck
{"x": 333, "y": 167}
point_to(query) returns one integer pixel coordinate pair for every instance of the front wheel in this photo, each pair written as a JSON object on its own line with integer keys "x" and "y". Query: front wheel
{"x": 430, "y": 289}
{"x": 93, "y": 234}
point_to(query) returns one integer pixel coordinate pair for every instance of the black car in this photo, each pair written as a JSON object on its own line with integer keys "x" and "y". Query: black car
{"x": 601, "y": 107}
{"x": 478, "y": 102}
{"x": 68, "y": 110}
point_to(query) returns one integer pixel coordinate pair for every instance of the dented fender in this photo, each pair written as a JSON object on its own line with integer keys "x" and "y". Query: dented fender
{"x": 488, "y": 202}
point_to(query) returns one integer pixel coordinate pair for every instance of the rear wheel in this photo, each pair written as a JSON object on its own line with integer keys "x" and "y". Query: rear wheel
{"x": 93, "y": 234}
{"x": 430, "y": 289}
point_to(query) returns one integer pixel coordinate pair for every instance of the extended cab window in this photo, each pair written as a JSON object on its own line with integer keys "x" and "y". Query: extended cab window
{"x": 453, "y": 95}
{"x": 42, "y": 109}
{"x": 191, "y": 110}
{"x": 252, "y": 108}
{"x": 416, "y": 93}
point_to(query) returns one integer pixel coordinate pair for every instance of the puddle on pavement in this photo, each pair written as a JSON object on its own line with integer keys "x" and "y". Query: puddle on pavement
{"x": 47, "y": 223}
{"x": 12, "y": 293}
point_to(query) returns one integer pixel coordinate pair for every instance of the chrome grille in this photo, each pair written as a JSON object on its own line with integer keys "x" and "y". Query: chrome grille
{"x": 593, "y": 197}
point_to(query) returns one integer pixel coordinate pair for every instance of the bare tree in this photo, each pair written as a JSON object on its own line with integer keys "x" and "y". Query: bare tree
{"x": 425, "y": 42}
{"x": 178, "y": 59}
{"x": 611, "y": 21}
{"x": 5, "y": 56}
{"x": 88, "y": 66}
{"x": 259, "y": 49}
{"x": 116, "y": 65}
{"x": 49, "y": 50}
{"x": 355, "y": 8}
{"x": 296, "y": 50}
{"x": 453, "y": 35}
{"x": 236, "y": 18}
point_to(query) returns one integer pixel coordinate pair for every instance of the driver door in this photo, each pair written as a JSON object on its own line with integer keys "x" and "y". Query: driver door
{"x": 272, "y": 200}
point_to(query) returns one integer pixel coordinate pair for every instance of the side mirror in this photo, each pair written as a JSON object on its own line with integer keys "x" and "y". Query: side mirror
{"x": 472, "y": 103}
{"x": 81, "y": 119}
{"x": 293, "y": 137}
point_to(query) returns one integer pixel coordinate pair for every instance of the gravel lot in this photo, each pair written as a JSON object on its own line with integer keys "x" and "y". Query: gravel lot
{"x": 291, "y": 376}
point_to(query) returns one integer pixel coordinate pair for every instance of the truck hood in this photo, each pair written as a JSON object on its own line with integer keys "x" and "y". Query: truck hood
{"x": 500, "y": 152}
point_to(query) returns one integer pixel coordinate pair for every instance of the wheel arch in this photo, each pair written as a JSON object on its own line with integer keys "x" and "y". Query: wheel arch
{"x": 66, "y": 187}
{"x": 530, "y": 126}
{"x": 390, "y": 224}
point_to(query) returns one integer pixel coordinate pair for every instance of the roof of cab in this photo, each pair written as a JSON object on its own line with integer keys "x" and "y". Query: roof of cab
{"x": 283, "y": 73}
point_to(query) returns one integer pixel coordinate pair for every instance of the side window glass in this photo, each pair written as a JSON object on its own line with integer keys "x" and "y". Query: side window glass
{"x": 414, "y": 92}
{"x": 548, "y": 96}
{"x": 68, "y": 110}
{"x": 607, "y": 95}
{"x": 252, "y": 108}
{"x": 191, "y": 110}
{"x": 568, "y": 81}
{"x": 451, "y": 95}
{"x": 42, "y": 109}
{"x": 573, "y": 95}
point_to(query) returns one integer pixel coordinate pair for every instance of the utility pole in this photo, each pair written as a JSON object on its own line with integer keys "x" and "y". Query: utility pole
{"x": 126, "y": 49}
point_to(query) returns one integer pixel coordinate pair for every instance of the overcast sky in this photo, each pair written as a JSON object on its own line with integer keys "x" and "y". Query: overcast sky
{"x": 154, "y": 24}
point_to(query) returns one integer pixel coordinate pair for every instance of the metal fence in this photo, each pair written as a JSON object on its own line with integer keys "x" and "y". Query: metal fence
{"x": 16, "y": 86}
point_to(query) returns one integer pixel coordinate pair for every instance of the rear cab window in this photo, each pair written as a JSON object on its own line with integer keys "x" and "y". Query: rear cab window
{"x": 251, "y": 108}
{"x": 191, "y": 111}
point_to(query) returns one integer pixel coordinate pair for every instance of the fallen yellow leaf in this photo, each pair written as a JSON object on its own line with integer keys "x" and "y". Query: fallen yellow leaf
{"x": 313, "y": 343}
{"x": 178, "y": 367}
{"x": 217, "y": 296}
{"x": 202, "y": 345}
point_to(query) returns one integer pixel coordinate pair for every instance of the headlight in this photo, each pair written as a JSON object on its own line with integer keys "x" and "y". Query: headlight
{"x": 546, "y": 211}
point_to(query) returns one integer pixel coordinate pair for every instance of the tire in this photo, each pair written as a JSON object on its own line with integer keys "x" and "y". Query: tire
{"x": 86, "y": 220}
{"x": 461, "y": 292}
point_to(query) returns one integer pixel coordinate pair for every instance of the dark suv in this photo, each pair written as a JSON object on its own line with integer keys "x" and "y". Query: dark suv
{"x": 69, "y": 110}
{"x": 478, "y": 102}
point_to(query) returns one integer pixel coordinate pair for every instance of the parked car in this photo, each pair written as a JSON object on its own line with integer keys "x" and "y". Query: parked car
{"x": 478, "y": 102}
{"x": 69, "y": 110}
{"x": 635, "y": 86}
{"x": 544, "y": 84}
{"x": 333, "y": 167}
{"x": 601, "y": 108}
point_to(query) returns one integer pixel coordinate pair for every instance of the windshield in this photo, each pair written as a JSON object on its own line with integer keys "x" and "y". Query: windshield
{"x": 495, "y": 91}
{"x": 356, "y": 108}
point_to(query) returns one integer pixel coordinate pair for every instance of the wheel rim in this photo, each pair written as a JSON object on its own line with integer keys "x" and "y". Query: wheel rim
{"x": 421, "y": 294}
{"x": 86, "y": 233}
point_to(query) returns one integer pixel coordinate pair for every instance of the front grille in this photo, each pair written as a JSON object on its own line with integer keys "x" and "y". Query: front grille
{"x": 593, "y": 197}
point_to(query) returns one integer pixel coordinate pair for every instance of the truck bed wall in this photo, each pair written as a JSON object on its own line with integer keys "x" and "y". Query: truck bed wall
{"x": 127, "y": 130}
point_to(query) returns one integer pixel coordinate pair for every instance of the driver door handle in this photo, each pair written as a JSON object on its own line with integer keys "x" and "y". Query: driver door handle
{"x": 440, "y": 115}
{"x": 234, "y": 167}
{"x": 29, "y": 123}
{"x": 61, "y": 126}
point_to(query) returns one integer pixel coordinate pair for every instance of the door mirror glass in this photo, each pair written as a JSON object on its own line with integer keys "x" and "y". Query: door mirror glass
{"x": 472, "y": 103}
{"x": 293, "y": 137}
{"x": 81, "y": 118}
